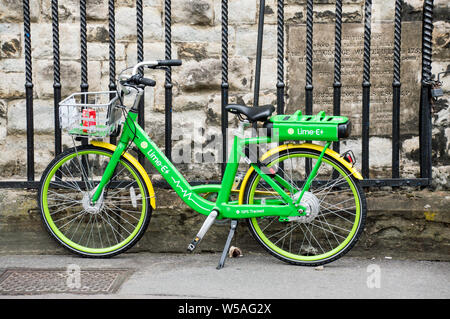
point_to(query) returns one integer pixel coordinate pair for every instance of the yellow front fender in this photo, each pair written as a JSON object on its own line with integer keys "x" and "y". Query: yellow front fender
{"x": 283, "y": 147}
{"x": 134, "y": 161}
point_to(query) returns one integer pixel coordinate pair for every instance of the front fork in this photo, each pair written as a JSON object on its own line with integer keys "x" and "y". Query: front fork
{"x": 115, "y": 158}
{"x": 109, "y": 171}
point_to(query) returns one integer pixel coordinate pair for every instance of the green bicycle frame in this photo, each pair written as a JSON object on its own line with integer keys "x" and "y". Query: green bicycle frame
{"x": 191, "y": 194}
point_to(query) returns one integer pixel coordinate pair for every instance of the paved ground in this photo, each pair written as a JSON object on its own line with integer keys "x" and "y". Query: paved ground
{"x": 252, "y": 277}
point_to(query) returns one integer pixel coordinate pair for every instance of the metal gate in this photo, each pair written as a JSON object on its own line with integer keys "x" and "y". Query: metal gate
{"x": 425, "y": 108}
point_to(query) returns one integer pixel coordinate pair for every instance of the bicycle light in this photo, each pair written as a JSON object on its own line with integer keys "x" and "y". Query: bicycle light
{"x": 349, "y": 157}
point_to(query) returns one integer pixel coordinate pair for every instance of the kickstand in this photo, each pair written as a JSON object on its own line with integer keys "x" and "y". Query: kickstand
{"x": 227, "y": 244}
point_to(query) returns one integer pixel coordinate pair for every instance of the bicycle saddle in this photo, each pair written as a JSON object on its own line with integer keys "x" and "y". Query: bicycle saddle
{"x": 253, "y": 114}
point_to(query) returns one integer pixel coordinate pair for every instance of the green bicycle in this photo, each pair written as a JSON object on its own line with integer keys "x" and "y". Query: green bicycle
{"x": 303, "y": 202}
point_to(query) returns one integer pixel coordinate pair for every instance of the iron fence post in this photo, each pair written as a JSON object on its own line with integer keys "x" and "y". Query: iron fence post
{"x": 396, "y": 90}
{"x": 28, "y": 90}
{"x": 366, "y": 89}
{"x": 168, "y": 84}
{"x": 140, "y": 58}
{"x": 309, "y": 70}
{"x": 56, "y": 75}
{"x": 337, "y": 65}
{"x": 425, "y": 108}
{"x": 112, "y": 53}
{"x": 224, "y": 85}
{"x": 84, "y": 86}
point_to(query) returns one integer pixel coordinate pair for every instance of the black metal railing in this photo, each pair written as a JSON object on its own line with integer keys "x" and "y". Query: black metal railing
{"x": 396, "y": 180}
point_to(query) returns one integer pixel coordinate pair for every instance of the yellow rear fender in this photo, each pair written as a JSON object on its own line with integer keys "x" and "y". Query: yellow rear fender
{"x": 135, "y": 163}
{"x": 283, "y": 147}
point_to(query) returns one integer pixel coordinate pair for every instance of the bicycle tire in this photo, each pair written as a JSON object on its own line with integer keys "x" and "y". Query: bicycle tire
{"x": 308, "y": 251}
{"x": 116, "y": 222}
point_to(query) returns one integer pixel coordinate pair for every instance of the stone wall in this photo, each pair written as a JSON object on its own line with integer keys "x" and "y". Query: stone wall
{"x": 196, "y": 34}
{"x": 401, "y": 224}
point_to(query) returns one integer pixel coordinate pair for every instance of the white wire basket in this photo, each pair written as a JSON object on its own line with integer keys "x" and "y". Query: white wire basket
{"x": 90, "y": 114}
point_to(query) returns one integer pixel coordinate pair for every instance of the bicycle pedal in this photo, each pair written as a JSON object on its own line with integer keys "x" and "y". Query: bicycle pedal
{"x": 191, "y": 247}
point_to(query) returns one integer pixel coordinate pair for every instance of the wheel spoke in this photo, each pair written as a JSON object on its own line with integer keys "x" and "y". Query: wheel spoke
{"x": 332, "y": 209}
{"x": 103, "y": 225}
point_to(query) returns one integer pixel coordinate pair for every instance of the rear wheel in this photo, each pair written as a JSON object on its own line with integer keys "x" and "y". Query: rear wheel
{"x": 110, "y": 226}
{"x": 335, "y": 209}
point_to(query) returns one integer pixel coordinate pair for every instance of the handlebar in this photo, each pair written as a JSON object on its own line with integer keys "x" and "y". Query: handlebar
{"x": 169, "y": 62}
{"x": 155, "y": 64}
{"x": 138, "y": 79}
{"x": 145, "y": 81}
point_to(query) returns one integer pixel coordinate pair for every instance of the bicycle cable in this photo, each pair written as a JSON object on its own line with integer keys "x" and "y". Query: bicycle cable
{"x": 125, "y": 112}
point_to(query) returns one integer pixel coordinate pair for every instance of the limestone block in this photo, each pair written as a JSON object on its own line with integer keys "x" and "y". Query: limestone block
{"x": 126, "y": 24}
{"x": 9, "y": 47}
{"x": 294, "y": 14}
{"x": 145, "y": 3}
{"x": 42, "y": 42}
{"x": 200, "y": 75}
{"x": 94, "y": 70}
{"x": 97, "y": 9}
{"x": 320, "y": 2}
{"x": 240, "y": 73}
{"x": 12, "y": 85}
{"x": 213, "y": 110}
{"x": 100, "y": 51}
{"x": 187, "y": 135}
{"x": 68, "y": 11}
{"x": 154, "y": 126}
{"x": 186, "y": 102}
{"x": 265, "y": 98}
{"x": 447, "y": 137}
{"x": 270, "y": 12}
{"x": 198, "y": 50}
{"x": 239, "y": 12}
{"x": 69, "y": 41}
{"x": 442, "y": 118}
{"x": 268, "y": 75}
{"x": 441, "y": 178}
{"x": 378, "y": 156}
{"x": 187, "y": 33}
{"x": 383, "y": 10}
{"x": 43, "y": 116}
{"x": 97, "y": 33}
{"x": 13, "y": 159}
{"x": 246, "y": 40}
{"x": 152, "y": 51}
{"x": 43, "y": 78}
{"x": 199, "y": 12}
{"x": 10, "y": 40}
{"x": 410, "y": 146}
{"x": 12, "y": 10}
{"x": 441, "y": 40}
{"x": 16, "y": 65}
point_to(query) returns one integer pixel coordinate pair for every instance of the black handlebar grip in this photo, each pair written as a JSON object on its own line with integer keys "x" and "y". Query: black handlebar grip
{"x": 146, "y": 82}
{"x": 169, "y": 62}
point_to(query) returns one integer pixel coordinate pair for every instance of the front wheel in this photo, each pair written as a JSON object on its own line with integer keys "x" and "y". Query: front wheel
{"x": 110, "y": 226}
{"x": 335, "y": 208}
